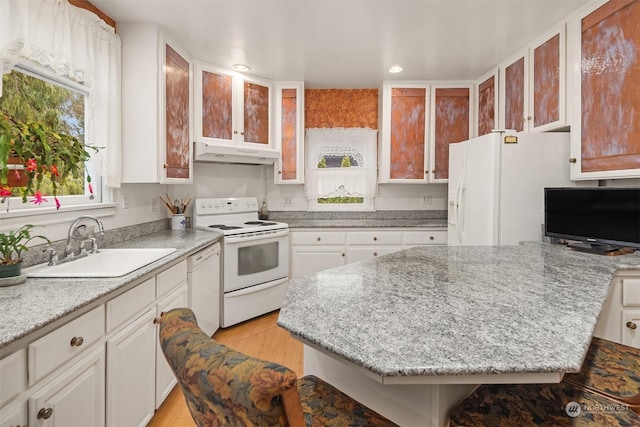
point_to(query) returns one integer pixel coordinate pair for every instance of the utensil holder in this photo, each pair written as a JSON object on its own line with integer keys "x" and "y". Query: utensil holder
{"x": 178, "y": 222}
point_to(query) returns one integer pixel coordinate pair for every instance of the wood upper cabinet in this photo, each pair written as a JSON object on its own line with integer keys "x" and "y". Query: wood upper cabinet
{"x": 230, "y": 108}
{"x": 452, "y": 120}
{"x": 156, "y": 107}
{"x": 404, "y": 133}
{"x": 487, "y": 103}
{"x": 289, "y": 135}
{"x": 532, "y": 85}
{"x": 605, "y": 48}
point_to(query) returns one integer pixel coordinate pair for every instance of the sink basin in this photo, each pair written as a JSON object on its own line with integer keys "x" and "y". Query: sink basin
{"x": 105, "y": 263}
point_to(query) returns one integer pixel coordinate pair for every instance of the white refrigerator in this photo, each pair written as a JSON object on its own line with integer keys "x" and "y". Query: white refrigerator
{"x": 496, "y": 184}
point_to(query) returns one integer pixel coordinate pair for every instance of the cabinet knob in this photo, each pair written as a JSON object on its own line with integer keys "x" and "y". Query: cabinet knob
{"x": 45, "y": 413}
{"x": 241, "y": 133}
{"x": 165, "y": 166}
{"x": 158, "y": 319}
{"x": 279, "y": 172}
{"x": 375, "y": 254}
{"x": 572, "y": 160}
{"x": 76, "y": 342}
{"x": 430, "y": 237}
{"x": 375, "y": 239}
{"x": 343, "y": 254}
{"x": 529, "y": 118}
{"x": 235, "y": 132}
{"x": 631, "y": 325}
{"x": 426, "y": 172}
{"x": 318, "y": 239}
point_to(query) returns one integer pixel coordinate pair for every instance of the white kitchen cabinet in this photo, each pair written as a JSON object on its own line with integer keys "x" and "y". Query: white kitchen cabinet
{"x": 131, "y": 373}
{"x": 231, "y": 109}
{"x": 619, "y": 320}
{"x": 165, "y": 379}
{"x": 156, "y": 107}
{"x": 13, "y": 375}
{"x": 424, "y": 237}
{"x": 14, "y": 414}
{"x": 289, "y": 125}
{"x": 364, "y": 245}
{"x": 316, "y": 250}
{"x": 532, "y": 85}
{"x": 74, "y": 397}
{"x": 404, "y": 133}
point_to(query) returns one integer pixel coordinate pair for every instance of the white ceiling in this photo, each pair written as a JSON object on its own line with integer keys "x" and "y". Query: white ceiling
{"x": 350, "y": 43}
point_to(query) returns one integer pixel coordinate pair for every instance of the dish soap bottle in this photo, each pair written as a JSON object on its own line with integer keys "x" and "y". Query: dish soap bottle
{"x": 263, "y": 213}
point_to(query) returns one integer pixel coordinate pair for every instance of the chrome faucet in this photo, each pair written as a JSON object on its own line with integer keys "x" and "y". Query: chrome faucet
{"x": 69, "y": 252}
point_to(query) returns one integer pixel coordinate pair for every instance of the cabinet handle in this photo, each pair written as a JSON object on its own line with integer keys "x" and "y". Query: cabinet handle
{"x": 375, "y": 254}
{"x": 375, "y": 239}
{"x": 279, "y": 172}
{"x": 426, "y": 172}
{"x": 235, "y": 132}
{"x": 631, "y": 325}
{"x": 318, "y": 239}
{"x": 529, "y": 118}
{"x": 165, "y": 166}
{"x": 241, "y": 133}
{"x": 45, "y": 413}
{"x": 158, "y": 319}
{"x": 430, "y": 237}
{"x": 572, "y": 160}
{"x": 76, "y": 342}
{"x": 343, "y": 254}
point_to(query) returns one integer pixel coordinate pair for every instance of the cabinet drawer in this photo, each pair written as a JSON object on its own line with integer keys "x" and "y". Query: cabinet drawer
{"x": 427, "y": 237}
{"x": 375, "y": 237}
{"x": 130, "y": 303}
{"x": 318, "y": 238}
{"x": 52, "y": 350}
{"x": 631, "y": 291}
{"x": 13, "y": 375}
{"x": 169, "y": 279}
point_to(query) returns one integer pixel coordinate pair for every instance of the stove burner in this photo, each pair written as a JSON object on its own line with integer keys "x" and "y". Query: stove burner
{"x": 224, "y": 227}
{"x": 259, "y": 223}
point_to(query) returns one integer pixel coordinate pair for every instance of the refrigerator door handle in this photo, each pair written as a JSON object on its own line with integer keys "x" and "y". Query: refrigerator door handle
{"x": 460, "y": 212}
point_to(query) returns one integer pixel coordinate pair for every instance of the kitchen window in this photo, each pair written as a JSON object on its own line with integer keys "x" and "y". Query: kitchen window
{"x": 341, "y": 169}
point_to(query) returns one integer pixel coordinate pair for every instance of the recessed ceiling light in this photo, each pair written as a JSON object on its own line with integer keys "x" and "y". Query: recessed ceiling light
{"x": 241, "y": 67}
{"x": 395, "y": 69}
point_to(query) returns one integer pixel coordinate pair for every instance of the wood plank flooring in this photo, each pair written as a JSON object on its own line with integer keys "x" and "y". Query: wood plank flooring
{"x": 260, "y": 337}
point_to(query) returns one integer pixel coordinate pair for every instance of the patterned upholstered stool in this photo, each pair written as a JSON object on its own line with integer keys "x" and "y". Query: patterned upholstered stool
{"x": 224, "y": 387}
{"x": 607, "y": 390}
{"x": 611, "y": 370}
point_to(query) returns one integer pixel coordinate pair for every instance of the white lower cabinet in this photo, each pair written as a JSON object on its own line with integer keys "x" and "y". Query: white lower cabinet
{"x": 14, "y": 414}
{"x": 619, "y": 320}
{"x": 131, "y": 373}
{"x": 314, "y": 250}
{"x": 165, "y": 380}
{"x": 75, "y": 398}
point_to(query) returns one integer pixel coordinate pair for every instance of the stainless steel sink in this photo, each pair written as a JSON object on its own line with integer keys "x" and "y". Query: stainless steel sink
{"x": 106, "y": 263}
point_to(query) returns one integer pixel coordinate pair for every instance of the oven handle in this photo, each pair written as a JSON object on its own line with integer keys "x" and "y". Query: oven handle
{"x": 252, "y": 237}
{"x": 256, "y": 288}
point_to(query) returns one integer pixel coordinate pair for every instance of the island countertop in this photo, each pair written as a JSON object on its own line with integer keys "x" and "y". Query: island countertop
{"x": 452, "y": 311}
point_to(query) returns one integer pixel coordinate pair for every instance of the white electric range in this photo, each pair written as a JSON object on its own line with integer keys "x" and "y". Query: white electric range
{"x": 255, "y": 256}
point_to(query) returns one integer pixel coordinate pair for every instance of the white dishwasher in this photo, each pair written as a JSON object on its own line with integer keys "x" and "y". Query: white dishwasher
{"x": 203, "y": 275}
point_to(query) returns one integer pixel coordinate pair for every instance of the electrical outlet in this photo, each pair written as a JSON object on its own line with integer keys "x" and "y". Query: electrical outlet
{"x": 125, "y": 200}
{"x": 427, "y": 199}
{"x": 153, "y": 205}
{"x": 287, "y": 201}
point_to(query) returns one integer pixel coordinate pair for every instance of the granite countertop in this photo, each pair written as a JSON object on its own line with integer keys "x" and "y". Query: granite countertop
{"x": 367, "y": 223}
{"x": 439, "y": 311}
{"x": 29, "y": 307}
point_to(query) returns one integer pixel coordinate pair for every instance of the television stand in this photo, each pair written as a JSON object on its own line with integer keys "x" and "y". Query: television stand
{"x": 594, "y": 248}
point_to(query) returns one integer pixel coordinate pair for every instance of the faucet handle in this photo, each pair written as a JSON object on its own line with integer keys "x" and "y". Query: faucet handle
{"x": 53, "y": 255}
{"x": 94, "y": 245}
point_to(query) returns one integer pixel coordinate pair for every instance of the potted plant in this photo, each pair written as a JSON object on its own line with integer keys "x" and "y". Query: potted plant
{"x": 12, "y": 245}
{"x": 40, "y": 152}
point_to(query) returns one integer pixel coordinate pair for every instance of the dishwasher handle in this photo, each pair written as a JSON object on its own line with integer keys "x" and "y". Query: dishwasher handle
{"x": 204, "y": 255}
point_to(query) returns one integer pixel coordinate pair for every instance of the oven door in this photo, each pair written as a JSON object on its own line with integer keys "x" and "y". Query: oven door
{"x": 255, "y": 258}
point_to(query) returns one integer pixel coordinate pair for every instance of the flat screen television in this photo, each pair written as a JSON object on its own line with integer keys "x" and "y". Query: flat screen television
{"x": 598, "y": 219}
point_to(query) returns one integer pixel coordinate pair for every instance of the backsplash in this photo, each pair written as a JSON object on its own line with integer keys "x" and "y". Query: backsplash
{"x": 305, "y": 215}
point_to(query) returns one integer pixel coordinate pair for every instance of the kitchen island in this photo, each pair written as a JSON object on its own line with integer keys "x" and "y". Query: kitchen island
{"x": 411, "y": 333}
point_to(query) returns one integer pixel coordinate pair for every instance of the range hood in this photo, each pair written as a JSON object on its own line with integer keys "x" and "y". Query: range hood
{"x": 213, "y": 153}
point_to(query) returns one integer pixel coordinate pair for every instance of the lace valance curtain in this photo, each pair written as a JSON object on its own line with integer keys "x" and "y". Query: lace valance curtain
{"x": 73, "y": 43}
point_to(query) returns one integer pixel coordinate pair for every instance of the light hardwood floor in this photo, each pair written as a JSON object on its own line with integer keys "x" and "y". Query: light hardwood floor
{"x": 260, "y": 337}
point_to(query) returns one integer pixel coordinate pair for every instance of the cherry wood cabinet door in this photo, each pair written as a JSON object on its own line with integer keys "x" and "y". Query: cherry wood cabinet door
{"x": 217, "y": 106}
{"x": 610, "y": 91}
{"x": 178, "y": 138}
{"x": 487, "y": 98}
{"x": 256, "y": 113}
{"x": 289, "y": 134}
{"x": 451, "y": 124}
{"x": 514, "y": 87}
{"x": 408, "y": 133}
{"x": 546, "y": 82}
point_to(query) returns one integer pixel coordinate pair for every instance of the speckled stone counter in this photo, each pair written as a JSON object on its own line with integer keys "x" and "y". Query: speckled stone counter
{"x": 38, "y": 303}
{"x": 456, "y": 311}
